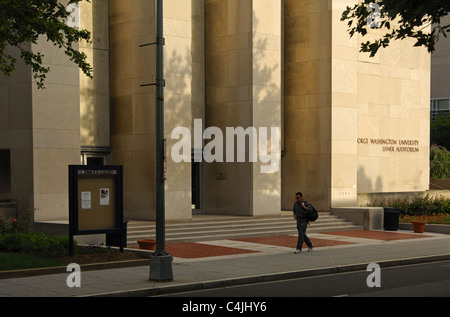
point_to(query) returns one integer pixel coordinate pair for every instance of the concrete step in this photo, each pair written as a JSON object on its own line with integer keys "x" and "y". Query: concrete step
{"x": 209, "y": 228}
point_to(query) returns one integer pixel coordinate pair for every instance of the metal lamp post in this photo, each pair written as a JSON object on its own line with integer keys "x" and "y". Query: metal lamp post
{"x": 160, "y": 261}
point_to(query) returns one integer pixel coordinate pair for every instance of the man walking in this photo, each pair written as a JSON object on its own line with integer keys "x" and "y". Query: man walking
{"x": 300, "y": 209}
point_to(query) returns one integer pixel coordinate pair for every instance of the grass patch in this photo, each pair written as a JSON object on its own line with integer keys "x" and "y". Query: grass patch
{"x": 21, "y": 261}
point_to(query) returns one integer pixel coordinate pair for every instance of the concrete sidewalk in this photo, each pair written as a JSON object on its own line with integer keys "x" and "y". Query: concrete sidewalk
{"x": 256, "y": 260}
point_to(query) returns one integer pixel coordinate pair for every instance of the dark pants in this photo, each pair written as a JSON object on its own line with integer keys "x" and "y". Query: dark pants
{"x": 302, "y": 237}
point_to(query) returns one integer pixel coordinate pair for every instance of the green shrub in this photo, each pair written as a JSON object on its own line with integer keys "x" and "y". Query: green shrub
{"x": 5, "y": 227}
{"x": 36, "y": 243}
{"x": 11, "y": 242}
{"x": 22, "y": 223}
{"x": 416, "y": 205}
{"x": 439, "y": 162}
{"x": 439, "y": 131}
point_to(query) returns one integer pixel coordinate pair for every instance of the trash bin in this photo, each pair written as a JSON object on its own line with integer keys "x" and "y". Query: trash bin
{"x": 391, "y": 216}
{"x": 113, "y": 239}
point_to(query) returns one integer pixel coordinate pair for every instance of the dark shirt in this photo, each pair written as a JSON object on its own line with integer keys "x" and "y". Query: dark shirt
{"x": 299, "y": 211}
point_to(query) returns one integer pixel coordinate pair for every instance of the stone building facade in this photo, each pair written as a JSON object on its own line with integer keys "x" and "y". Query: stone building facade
{"x": 348, "y": 124}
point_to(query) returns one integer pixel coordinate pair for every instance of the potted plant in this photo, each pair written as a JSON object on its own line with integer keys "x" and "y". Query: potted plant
{"x": 418, "y": 226}
{"x": 147, "y": 244}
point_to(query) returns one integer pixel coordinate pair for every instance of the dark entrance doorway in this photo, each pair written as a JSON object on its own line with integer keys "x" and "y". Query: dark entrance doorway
{"x": 197, "y": 185}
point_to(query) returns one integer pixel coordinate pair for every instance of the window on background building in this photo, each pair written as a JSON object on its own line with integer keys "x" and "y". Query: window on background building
{"x": 5, "y": 175}
{"x": 94, "y": 156}
{"x": 439, "y": 107}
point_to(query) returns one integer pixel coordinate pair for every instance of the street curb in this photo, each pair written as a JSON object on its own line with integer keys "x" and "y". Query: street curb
{"x": 197, "y": 286}
{"x": 63, "y": 269}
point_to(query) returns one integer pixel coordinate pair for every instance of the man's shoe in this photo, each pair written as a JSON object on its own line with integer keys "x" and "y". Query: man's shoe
{"x": 311, "y": 248}
{"x": 297, "y": 251}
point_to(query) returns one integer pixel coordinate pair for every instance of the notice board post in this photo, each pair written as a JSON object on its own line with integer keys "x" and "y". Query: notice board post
{"x": 95, "y": 201}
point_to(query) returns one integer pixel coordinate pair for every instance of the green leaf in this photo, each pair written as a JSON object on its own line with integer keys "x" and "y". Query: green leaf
{"x": 26, "y": 21}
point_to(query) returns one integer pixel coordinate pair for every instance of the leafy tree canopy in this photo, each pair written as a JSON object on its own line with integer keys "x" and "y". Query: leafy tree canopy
{"x": 412, "y": 19}
{"x": 25, "y": 21}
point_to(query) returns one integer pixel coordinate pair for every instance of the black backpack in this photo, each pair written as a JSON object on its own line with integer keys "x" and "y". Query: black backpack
{"x": 312, "y": 214}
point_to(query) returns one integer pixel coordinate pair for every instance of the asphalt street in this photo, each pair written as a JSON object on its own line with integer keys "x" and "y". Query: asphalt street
{"x": 424, "y": 280}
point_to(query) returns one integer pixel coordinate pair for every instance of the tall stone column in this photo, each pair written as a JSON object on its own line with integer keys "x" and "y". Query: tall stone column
{"x": 178, "y": 61}
{"x": 344, "y": 109}
{"x": 56, "y": 134}
{"x": 243, "y": 89}
{"x": 133, "y": 134}
{"x": 308, "y": 106}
